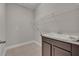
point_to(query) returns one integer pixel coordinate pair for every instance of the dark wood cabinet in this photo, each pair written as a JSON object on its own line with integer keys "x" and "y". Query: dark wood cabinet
{"x": 75, "y": 50}
{"x": 46, "y": 49}
{"x": 52, "y": 47}
{"x": 61, "y": 52}
{"x": 63, "y": 45}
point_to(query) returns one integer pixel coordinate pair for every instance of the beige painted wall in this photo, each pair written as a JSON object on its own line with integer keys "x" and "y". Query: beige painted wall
{"x": 19, "y": 25}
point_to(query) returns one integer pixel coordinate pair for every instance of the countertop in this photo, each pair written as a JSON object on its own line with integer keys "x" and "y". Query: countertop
{"x": 63, "y": 37}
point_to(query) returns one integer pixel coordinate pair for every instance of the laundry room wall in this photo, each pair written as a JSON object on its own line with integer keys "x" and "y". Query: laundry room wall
{"x": 19, "y": 24}
{"x": 2, "y": 22}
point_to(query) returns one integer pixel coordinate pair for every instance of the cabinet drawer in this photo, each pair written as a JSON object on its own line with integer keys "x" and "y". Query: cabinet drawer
{"x": 48, "y": 40}
{"x": 61, "y": 52}
{"x": 62, "y": 45}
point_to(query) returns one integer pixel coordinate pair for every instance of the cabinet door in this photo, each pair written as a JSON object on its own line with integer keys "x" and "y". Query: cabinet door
{"x": 46, "y": 49}
{"x": 61, "y": 52}
{"x": 75, "y": 50}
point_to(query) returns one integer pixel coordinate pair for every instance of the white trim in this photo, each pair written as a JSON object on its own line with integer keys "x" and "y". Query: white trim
{"x": 38, "y": 43}
{"x": 18, "y": 45}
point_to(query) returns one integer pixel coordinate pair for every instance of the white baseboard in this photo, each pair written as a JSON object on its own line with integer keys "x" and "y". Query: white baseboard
{"x": 38, "y": 43}
{"x": 21, "y": 44}
{"x": 18, "y": 45}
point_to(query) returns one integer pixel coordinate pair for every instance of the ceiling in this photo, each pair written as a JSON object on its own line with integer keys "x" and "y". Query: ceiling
{"x": 31, "y": 6}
